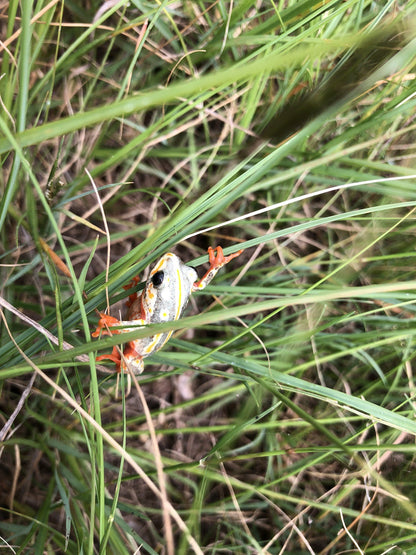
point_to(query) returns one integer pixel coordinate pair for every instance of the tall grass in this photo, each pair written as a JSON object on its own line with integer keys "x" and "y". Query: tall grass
{"x": 280, "y": 416}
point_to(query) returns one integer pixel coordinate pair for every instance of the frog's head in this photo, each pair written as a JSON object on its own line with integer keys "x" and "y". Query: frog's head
{"x": 167, "y": 289}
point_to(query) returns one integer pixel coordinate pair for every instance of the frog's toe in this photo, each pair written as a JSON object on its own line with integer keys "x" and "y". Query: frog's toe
{"x": 114, "y": 357}
{"x": 219, "y": 260}
{"x": 105, "y": 322}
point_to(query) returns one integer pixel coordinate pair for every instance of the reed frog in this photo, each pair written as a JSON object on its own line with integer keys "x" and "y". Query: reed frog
{"x": 165, "y": 296}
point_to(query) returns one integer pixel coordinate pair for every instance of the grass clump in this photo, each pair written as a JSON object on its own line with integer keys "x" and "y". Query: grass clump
{"x": 280, "y": 416}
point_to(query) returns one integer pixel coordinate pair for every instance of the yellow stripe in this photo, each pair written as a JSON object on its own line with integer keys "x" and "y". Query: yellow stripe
{"x": 151, "y": 347}
{"x": 178, "y": 311}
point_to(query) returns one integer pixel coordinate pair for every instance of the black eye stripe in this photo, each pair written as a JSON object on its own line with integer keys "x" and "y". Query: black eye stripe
{"x": 157, "y": 278}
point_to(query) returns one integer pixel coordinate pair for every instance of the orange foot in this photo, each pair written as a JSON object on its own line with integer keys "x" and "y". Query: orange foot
{"x": 216, "y": 261}
{"x": 130, "y": 358}
{"x": 114, "y": 356}
{"x": 219, "y": 260}
{"x": 104, "y": 323}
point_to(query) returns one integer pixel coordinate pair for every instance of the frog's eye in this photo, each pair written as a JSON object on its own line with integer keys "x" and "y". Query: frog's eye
{"x": 157, "y": 278}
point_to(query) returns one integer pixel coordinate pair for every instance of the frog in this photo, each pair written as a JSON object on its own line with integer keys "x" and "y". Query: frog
{"x": 163, "y": 299}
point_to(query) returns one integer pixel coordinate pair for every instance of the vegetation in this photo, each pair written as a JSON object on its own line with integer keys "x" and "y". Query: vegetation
{"x": 280, "y": 416}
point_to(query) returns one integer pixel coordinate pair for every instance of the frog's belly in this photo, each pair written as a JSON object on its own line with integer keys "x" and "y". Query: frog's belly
{"x": 148, "y": 345}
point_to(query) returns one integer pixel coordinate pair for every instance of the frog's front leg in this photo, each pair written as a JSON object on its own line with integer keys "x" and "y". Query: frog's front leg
{"x": 130, "y": 359}
{"x": 104, "y": 324}
{"x": 133, "y": 296}
{"x": 103, "y": 328}
{"x": 216, "y": 261}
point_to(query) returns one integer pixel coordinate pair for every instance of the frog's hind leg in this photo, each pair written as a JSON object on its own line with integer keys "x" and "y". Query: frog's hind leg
{"x": 115, "y": 356}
